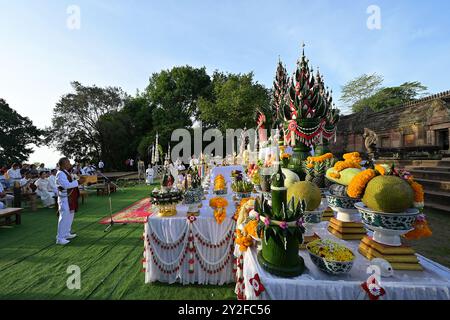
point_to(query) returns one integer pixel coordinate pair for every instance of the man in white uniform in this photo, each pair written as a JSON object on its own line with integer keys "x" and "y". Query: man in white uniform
{"x": 65, "y": 188}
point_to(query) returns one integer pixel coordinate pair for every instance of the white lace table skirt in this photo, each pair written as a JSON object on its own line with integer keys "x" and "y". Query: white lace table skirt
{"x": 199, "y": 250}
{"x": 431, "y": 284}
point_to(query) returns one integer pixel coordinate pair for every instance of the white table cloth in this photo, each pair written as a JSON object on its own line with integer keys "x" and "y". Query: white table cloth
{"x": 431, "y": 284}
{"x": 190, "y": 251}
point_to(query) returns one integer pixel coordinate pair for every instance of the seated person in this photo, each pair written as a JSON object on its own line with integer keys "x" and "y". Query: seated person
{"x": 33, "y": 171}
{"x": 27, "y": 183}
{"x": 52, "y": 181}
{"x": 42, "y": 185}
{"x": 5, "y": 199}
{"x": 14, "y": 173}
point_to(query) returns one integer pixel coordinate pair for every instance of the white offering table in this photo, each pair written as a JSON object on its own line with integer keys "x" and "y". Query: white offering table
{"x": 431, "y": 284}
{"x": 196, "y": 250}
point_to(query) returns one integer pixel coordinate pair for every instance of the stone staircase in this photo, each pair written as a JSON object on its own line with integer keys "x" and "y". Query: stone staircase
{"x": 434, "y": 175}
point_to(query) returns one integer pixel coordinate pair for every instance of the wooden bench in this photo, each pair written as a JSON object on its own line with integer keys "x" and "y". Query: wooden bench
{"x": 6, "y": 214}
{"x": 102, "y": 190}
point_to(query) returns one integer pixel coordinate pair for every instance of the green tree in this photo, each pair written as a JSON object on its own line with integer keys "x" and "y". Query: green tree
{"x": 175, "y": 94}
{"x": 17, "y": 134}
{"x": 360, "y": 88}
{"x": 392, "y": 97}
{"x": 236, "y": 97}
{"x": 123, "y": 131}
{"x": 75, "y": 124}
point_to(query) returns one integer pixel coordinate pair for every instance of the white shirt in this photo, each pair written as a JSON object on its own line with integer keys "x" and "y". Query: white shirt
{"x": 150, "y": 171}
{"x": 14, "y": 174}
{"x": 23, "y": 182}
{"x": 63, "y": 182}
{"x": 101, "y": 165}
{"x": 1, "y": 188}
{"x": 52, "y": 183}
{"x": 42, "y": 184}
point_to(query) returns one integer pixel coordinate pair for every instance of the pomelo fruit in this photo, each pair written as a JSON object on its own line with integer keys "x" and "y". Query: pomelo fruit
{"x": 290, "y": 177}
{"x": 305, "y": 190}
{"x": 389, "y": 194}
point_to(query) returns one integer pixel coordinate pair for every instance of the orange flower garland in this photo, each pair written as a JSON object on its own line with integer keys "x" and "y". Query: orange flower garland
{"x": 359, "y": 182}
{"x": 351, "y": 155}
{"x": 320, "y": 158}
{"x": 351, "y": 160}
{"x": 381, "y": 170}
{"x": 220, "y": 208}
{"x": 251, "y": 228}
{"x": 243, "y": 241}
{"x": 418, "y": 191}
{"x": 421, "y": 230}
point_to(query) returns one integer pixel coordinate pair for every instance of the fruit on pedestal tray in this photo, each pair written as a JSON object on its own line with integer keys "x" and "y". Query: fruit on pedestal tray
{"x": 388, "y": 194}
{"x": 306, "y": 191}
{"x": 290, "y": 177}
{"x": 346, "y": 175}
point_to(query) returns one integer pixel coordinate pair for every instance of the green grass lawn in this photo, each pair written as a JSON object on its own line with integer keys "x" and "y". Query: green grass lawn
{"x": 33, "y": 267}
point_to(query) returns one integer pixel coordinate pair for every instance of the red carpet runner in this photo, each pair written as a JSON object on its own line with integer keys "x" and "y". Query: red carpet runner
{"x": 136, "y": 213}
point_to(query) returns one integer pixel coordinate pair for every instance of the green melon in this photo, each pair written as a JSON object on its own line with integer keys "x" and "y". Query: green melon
{"x": 389, "y": 194}
{"x": 346, "y": 175}
{"x": 290, "y": 177}
{"x": 305, "y": 190}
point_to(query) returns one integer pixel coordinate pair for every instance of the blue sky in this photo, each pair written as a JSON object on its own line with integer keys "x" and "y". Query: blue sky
{"x": 122, "y": 43}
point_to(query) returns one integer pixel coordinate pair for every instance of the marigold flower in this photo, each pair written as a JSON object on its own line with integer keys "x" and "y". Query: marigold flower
{"x": 418, "y": 190}
{"x": 381, "y": 170}
{"x": 359, "y": 182}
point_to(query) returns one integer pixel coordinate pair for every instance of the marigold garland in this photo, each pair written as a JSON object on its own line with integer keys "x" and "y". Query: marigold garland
{"x": 218, "y": 202}
{"x": 320, "y": 158}
{"x": 352, "y": 155}
{"x": 381, "y": 170}
{"x": 285, "y": 156}
{"x": 418, "y": 190}
{"x": 359, "y": 182}
{"x": 219, "y": 205}
{"x": 251, "y": 228}
{"x": 243, "y": 241}
{"x": 421, "y": 230}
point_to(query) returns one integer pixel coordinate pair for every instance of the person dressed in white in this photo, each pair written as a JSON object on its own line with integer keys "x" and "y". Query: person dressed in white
{"x": 5, "y": 199}
{"x": 101, "y": 165}
{"x": 14, "y": 174}
{"x": 149, "y": 172}
{"x": 63, "y": 182}
{"x": 52, "y": 182}
{"x": 42, "y": 185}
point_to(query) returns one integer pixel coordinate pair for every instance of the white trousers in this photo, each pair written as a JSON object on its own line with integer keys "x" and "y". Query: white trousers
{"x": 149, "y": 179}
{"x": 65, "y": 219}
